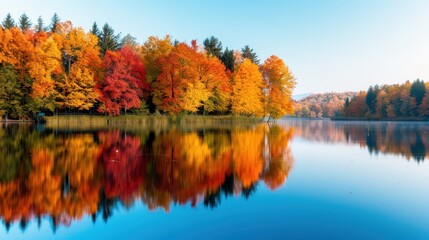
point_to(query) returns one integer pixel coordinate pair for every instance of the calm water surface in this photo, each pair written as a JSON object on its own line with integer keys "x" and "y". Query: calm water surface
{"x": 298, "y": 179}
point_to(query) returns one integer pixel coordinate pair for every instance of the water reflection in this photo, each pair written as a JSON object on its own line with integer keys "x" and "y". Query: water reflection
{"x": 66, "y": 175}
{"x": 407, "y": 139}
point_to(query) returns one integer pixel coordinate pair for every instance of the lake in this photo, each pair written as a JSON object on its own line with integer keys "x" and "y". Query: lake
{"x": 307, "y": 179}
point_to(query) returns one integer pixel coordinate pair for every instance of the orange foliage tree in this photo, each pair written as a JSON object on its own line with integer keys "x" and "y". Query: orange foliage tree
{"x": 279, "y": 84}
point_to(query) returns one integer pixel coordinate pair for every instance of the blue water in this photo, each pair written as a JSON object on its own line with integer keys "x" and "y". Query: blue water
{"x": 338, "y": 187}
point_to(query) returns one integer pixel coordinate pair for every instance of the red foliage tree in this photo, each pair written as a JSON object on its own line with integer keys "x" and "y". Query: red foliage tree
{"x": 124, "y": 83}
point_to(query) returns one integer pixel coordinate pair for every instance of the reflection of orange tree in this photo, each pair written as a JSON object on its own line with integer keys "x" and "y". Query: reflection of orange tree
{"x": 280, "y": 157}
{"x": 76, "y": 163}
{"x": 185, "y": 166}
{"x": 247, "y": 154}
{"x": 90, "y": 174}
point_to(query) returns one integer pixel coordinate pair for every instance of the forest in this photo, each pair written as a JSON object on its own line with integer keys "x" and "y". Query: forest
{"x": 63, "y": 69}
{"x": 407, "y": 101}
{"x": 323, "y": 105}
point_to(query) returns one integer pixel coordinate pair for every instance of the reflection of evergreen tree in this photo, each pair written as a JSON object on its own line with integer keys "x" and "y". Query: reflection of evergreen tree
{"x": 249, "y": 191}
{"x": 228, "y": 185}
{"x": 371, "y": 141}
{"x": 213, "y": 200}
{"x": 23, "y": 224}
{"x": 7, "y": 225}
{"x": 106, "y": 206}
{"x": 418, "y": 149}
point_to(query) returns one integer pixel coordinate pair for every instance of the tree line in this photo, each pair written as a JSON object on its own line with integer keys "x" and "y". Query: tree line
{"x": 409, "y": 100}
{"x": 63, "y": 68}
{"x": 323, "y": 105}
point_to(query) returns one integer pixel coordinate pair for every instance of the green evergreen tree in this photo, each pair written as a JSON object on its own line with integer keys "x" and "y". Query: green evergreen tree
{"x": 418, "y": 90}
{"x": 213, "y": 46}
{"x": 95, "y": 30}
{"x": 228, "y": 59}
{"x": 54, "y": 22}
{"x": 371, "y": 98}
{"x": 40, "y": 25}
{"x": 108, "y": 40}
{"x": 248, "y": 53}
{"x": 8, "y": 22}
{"x": 129, "y": 40}
{"x": 24, "y": 22}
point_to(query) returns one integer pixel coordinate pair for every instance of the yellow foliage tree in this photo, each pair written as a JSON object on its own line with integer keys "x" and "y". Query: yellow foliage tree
{"x": 151, "y": 51}
{"x": 247, "y": 90}
{"x": 81, "y": 61}
{"x": 46, "y": 59}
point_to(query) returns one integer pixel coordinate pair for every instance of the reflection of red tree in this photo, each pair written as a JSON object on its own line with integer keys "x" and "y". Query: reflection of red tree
{"x": 123, "y": 164}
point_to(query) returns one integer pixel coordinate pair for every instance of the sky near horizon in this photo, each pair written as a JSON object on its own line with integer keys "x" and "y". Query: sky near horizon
{"x": 330, "y": 45}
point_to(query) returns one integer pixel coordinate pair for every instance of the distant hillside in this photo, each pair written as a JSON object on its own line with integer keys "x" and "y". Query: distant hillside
{"x": 298, "y": 97}
{"x": 322, "y": 105}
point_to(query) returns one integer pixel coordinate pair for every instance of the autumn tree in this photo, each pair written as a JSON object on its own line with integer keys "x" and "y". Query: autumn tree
{"x": 177, "y": 72}
{"x": 357, "y": 106}
{"x": 279, "y": 84}
{"x": 247, "y": 90}
{"x": 215, "y": 83}
{"x": 151, "y": 51}
{"x": 124, "y": 83}
{"x": 80, "y": 62}
{"x": 10, "y": 93}
{"x": 45, "y": 61}
{"x": 15, "y": 51}
{"x": 424, "y": 106}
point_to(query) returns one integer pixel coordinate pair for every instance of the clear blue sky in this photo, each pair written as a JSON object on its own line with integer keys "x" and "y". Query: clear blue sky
{"x": 331, "y": 45}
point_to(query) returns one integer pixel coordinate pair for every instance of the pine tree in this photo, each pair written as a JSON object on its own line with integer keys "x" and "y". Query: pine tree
{"x": 248, "y": 53}
{"x": 418, "y": 90}
{"x": 213, "y": 46}
{"x": 24, "y": 22}
{"x": 95, "y": 30}
{"x": 40, "y": 25}
{"x": 8, "y": 22}
{"x": 228, "y": 59}
{"x": 54, "y": 22}
{"x": 130, "y": 41}
{"x": 108, "y": 40}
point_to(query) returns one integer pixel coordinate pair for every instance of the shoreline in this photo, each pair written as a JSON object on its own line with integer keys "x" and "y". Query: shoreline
{"x": 143, "y": 120}
{"x": 380, "y": 119}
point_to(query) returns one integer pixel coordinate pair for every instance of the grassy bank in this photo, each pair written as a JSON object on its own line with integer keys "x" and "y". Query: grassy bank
{"x": 157, "y": 121}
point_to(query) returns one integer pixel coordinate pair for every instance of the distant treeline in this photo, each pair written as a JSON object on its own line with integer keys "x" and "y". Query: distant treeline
{"x": 322, "y": 105}
{"x": 63, "y": 68}
{"x": 398, "y": 101}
